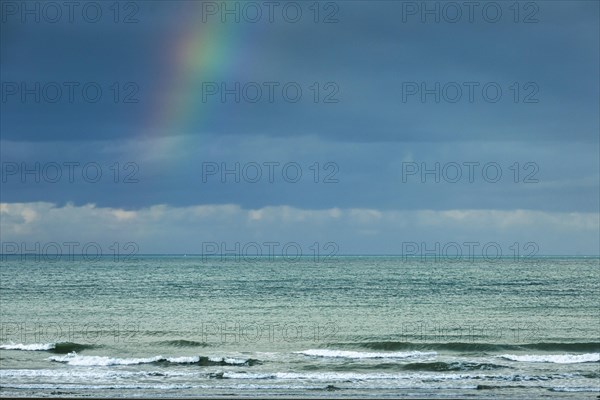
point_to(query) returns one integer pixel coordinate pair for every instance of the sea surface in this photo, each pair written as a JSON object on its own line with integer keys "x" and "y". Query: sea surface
{"x": 175, "y": 326}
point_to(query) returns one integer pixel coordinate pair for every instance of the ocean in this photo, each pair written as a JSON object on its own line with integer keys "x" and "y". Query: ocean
{"x": 353, "y": 326}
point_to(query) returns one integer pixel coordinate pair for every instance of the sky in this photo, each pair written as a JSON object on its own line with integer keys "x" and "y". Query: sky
{"x": 350, "y": 127}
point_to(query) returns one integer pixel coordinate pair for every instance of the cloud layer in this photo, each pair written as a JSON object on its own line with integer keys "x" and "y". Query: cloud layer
{"x": 167, "y": 229}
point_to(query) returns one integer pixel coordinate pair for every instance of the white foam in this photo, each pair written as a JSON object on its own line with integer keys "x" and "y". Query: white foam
{"x": 74, "y": 359}
{"x": 575, "y": 389}
{"x": 86, "y": 374}
{"x": 228, "y": 360}
{"x": 183, "y": 360}
{"x": 554, "y": 358}
{"x": 360, "y": 354}
{"x": 28, "y": 347}
{"x": 46, "y": 386}
{"x": 360, "y": 376}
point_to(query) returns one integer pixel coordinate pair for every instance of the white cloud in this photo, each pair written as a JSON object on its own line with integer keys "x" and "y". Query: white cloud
{"x": 167, "y": 229}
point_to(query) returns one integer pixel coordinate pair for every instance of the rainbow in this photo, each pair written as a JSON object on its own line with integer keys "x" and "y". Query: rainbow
{"x": 200, "y": 52}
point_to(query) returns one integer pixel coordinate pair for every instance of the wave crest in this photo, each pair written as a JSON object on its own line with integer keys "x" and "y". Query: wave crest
{"x": 59, "y": 347}
{"x": 75, "y": 359}
{"x": 554, "y": 358}
{"x": 474, "y": 346}
{"x": 358, "y": 354}
{"x": 182, "y": 343}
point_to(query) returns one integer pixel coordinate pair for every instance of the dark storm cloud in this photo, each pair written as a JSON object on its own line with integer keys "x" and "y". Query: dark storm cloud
{"x": 368, "y": 54}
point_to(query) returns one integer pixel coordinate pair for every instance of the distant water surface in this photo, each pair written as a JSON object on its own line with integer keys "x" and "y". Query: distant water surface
{"x": 344, "y": 327}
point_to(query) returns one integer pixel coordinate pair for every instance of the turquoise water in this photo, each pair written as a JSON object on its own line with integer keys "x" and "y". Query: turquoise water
{"x": 349, "y": 327}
